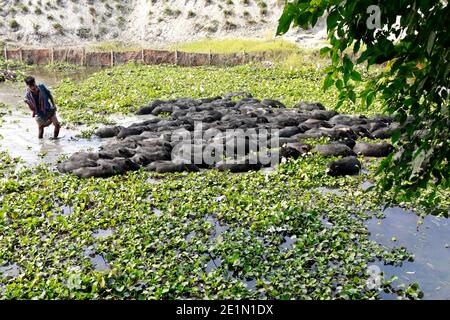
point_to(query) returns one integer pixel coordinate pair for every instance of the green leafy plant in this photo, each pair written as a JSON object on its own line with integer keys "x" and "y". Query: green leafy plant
{"x": 14, "y": 25}
{"x": 413, "y": 87}
{"x": 213, "y": 231}
{"x": 58, "y": 28}
{"x": 84, "y": 33}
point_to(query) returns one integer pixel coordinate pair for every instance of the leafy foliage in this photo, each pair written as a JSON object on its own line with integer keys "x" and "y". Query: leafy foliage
{"x": 205, "y": 235}
{"x": 125, "y": 88}
{"x": 413, "y": 41}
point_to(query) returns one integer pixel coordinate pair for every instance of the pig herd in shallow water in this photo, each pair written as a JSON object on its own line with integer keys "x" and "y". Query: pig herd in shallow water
{"x": 236, "y": 133}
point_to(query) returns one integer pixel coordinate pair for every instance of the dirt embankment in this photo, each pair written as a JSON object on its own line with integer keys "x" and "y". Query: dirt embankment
{"x": 154, "y": 22}
{"x": 79, "y": 56}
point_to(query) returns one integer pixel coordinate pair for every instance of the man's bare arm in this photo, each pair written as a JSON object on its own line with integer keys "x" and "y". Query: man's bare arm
{"x": 29, "y": 105}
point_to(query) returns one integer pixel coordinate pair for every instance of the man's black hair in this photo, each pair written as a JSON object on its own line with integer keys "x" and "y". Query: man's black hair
{"x": 30, "y": 81}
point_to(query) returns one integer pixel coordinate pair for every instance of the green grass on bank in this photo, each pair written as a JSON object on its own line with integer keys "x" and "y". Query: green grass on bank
{"x": 235, "y": 46}
{"x": 282, "y": 52}
{"x": 116, "y": 46}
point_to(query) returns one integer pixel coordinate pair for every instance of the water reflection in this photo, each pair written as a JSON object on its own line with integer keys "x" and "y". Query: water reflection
{"x": 219, "y": 228}
{"x": 100, "y": 263}
{"x": 102, "y": 233}
{"x": 19, "y": 138}
{"x": 9, "y": 271}
{"x": 325, "y": 190}
{"x": 288, "y": 243}
{"x": 11, "y": 93}
{"x": 429, "y": 242}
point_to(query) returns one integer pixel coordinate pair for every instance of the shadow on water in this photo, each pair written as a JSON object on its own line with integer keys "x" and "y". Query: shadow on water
{"x": 428, "y": 242}
{"x": 219, "y": 228}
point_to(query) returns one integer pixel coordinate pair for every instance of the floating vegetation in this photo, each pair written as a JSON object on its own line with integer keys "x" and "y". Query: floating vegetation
{"x": 278, "y": 232}
{"x": 124, "y": 89}
{"x": 291, "y": 233}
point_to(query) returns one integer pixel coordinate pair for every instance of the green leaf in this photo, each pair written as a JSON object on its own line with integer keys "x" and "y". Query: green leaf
{"x": 324, "y": 51}
{"x": 332, "y": 19}
{"x": 285, "y": 21}
{"x": 352, "y": 96}
{"x": 328, "y": 82}
{"x": 356, "y": 76}
{"x": 369, "y": 98}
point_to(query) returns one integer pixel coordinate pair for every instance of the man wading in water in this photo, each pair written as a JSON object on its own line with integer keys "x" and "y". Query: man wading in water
{"x": 38, "y": 98}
